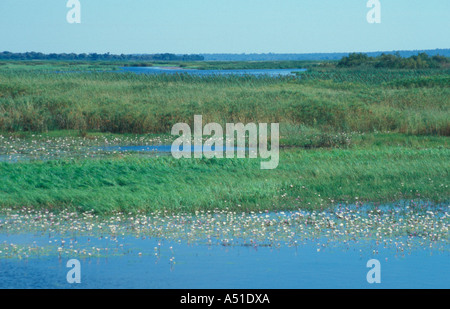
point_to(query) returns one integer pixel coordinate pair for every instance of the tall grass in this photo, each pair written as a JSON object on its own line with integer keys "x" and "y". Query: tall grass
{"x": 335, "y": 109}
{"x": 370, "y": 76}
{"x": 335, "y": 100}
{"x": 305, "y": 179}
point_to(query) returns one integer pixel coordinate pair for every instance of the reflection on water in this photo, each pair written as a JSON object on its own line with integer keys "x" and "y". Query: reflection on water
{"x": 106, "y": 151}
{"x": 14, "y": 150}
{"x": 202, "y": 266}
{"x": 164, "y": 149}
{"x": 254, "y": 72}
{"x": 229, "y": 250}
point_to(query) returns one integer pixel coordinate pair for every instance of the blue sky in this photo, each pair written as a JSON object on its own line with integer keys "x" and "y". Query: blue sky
{"x": 223, "y": 26}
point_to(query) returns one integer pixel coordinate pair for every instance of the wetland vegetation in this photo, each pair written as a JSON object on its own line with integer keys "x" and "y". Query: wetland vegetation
{"x": 363, "y": 172}
{"x": 367, "y": 134}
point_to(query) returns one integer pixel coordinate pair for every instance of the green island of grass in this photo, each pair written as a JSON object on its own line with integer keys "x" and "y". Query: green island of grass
{"x": 347, "y": 134}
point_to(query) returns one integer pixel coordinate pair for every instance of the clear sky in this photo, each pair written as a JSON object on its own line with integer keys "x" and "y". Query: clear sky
{"x": 223, "y": 26}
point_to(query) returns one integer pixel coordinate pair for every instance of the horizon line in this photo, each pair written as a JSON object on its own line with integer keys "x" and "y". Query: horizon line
{"x": 231, "y": 53}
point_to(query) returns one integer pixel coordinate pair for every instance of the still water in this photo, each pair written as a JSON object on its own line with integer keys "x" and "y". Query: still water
{"x": 203, "y": 266}
{"x": 267, "y": 250}
{"x": 255, "y": 72}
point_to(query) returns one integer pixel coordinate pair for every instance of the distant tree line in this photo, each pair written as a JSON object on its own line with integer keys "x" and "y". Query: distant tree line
{"x": 394, "y": 61}
{"x": 315, "y": 56}
{"x": 98, "y": 57}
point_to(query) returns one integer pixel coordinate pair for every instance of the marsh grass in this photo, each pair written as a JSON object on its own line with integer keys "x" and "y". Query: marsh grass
{"x": 334, "y": 100}
{"x": 374, "y": 135}
{"x": 307, "y": 179}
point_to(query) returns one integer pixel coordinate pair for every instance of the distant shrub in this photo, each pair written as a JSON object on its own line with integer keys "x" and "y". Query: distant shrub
{"x": 393, "y": 61}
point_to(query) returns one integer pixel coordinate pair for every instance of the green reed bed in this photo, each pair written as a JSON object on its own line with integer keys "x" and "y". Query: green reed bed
{"x": 413, "y": 102}
{"x": 373, "y": 75}
{"x": 346, "y": 135}
{"x": 307, "y": 179}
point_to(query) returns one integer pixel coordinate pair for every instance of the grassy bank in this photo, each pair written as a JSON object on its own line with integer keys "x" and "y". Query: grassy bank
{"x": 304, "y": 179}
{"x": 413, "y": 102}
